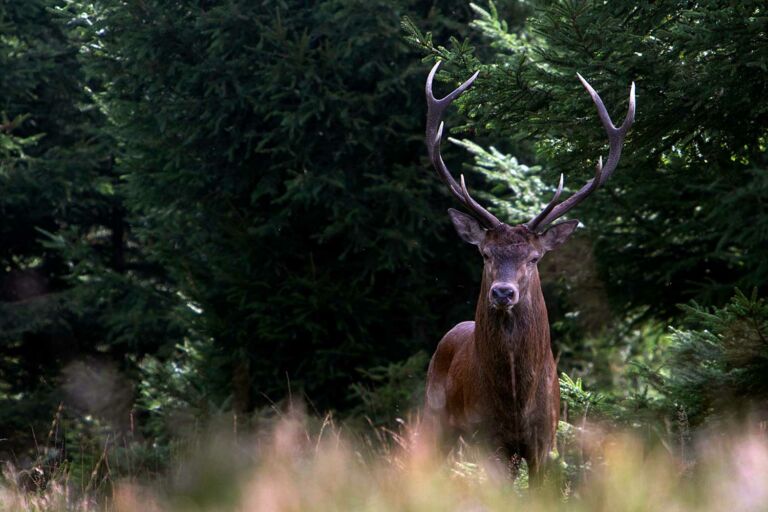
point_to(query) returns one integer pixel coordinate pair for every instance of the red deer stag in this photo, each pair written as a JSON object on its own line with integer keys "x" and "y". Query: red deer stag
{"x": 496, "y": 377}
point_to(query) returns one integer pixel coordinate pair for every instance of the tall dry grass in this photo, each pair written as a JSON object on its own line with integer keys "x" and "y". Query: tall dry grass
{"x": 295, "y": 465}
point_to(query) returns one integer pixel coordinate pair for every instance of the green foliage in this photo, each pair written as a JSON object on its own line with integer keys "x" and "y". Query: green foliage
{"x": 178, "y": 393}
{"x": 272, "y": 167}
{"x": 391, "y": 391}
{"x": 516, "y": 191}
{"x": 54, "y": 168}
{"x": 711, "y": 369}
{"x": 718, "y": 363}
{"x": 682, "y": 218}
{"x": 581, "y": 405}
{"x": 579, "y": 401}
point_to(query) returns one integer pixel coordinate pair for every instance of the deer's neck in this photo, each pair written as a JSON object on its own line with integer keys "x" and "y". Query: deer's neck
{"x": 512, "y": 347}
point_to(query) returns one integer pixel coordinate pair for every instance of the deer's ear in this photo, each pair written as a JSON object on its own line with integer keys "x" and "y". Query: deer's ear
{"x": 467, "y": 227}
{"x": 558, "y": 234}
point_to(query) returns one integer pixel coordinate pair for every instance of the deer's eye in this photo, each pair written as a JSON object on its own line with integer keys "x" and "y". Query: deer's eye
{"x": 533, "y": 260}
{"x": 486, "y": 255}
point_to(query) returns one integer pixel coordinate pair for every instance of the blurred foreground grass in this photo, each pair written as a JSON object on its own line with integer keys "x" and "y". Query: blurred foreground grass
{"x": 298, "y": 464}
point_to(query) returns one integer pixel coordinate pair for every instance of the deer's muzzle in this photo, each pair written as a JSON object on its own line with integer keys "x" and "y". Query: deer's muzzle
{"x": 504, "y": 295}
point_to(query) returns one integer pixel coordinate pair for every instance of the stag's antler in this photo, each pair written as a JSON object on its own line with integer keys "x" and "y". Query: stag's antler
{"x": 615, "y": 139}
{"x": 435, "y": 109}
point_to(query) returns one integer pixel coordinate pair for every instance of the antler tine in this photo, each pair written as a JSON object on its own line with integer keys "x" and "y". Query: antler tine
{"x": 473, "y": 205}
{"x": 536, "y": 220}
{"x": 435, "y": 106}
{"x": 433, "y": 147}
{"x": 615, "y": 143}
{"x": 435, "y": 109}
{"x": 615, "y": 135}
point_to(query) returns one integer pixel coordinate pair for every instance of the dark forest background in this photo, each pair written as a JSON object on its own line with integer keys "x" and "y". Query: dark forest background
{"x": 209, "y": 206}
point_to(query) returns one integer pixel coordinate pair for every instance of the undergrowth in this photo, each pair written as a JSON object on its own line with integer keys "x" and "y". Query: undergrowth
{"x": 296, "y": 462}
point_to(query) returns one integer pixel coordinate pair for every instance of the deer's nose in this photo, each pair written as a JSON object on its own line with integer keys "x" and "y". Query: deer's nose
{"x": 504, "y": 294}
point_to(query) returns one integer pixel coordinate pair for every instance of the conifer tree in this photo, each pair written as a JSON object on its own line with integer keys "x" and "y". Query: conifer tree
{"x": 55, "y": 176}
{"x": 684, "y": 216}
{"x": 274, "y": 167}
{"x": 717, "y": 362}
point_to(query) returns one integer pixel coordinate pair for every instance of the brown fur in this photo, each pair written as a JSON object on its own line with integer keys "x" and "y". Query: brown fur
{"x": 496, "y": 377}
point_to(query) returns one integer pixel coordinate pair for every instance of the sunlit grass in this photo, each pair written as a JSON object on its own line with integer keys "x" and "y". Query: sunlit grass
{"x": 299, "y": 464}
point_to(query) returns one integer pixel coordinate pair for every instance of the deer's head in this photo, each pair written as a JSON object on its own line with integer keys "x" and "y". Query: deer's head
{"x": 511, "y": 253}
